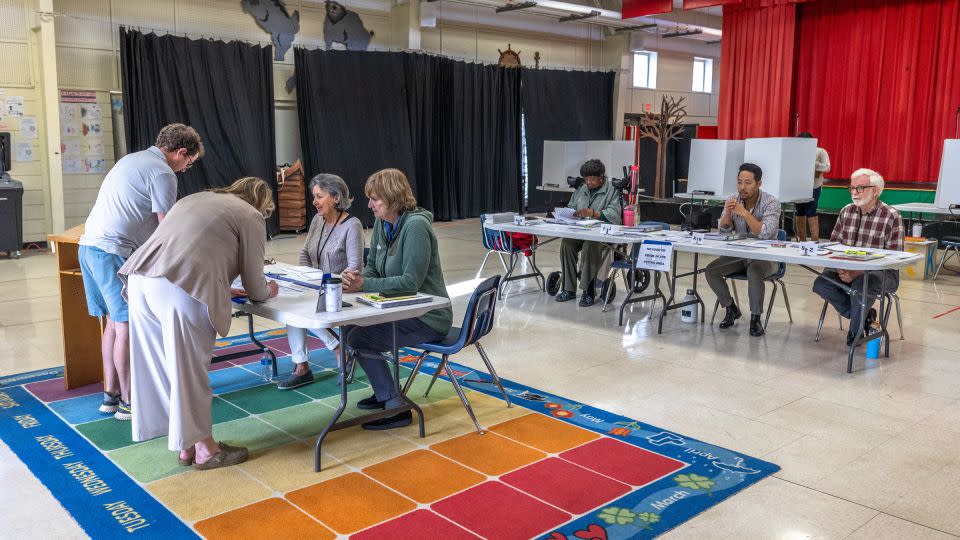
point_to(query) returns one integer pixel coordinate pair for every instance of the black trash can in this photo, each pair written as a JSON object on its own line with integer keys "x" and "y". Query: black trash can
{"x": 11, "y": 216}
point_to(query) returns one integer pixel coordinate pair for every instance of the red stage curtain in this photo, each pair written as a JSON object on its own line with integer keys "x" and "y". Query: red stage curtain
{"x": 757, "y": 57}
{"x": 878, "y": 83}
{"x": 694, "y": 4}
{"x": 639, "y": 8}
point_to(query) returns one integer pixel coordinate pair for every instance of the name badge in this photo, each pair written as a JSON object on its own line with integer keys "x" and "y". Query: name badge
{"x": 519, "y": 220}
{"x": 607, "y": 228}
{"x": 807, "y": 248}
{"x": 698, "y": 238}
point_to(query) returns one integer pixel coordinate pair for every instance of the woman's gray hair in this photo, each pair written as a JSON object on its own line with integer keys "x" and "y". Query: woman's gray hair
{"x": 334, "y": 186}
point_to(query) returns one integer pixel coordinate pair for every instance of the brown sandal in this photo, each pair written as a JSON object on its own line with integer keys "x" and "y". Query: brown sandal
{"x": 184, "y": 462}
{"x": 228, "y": 455}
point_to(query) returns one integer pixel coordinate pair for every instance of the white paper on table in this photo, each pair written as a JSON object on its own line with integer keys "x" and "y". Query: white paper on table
{"x": 564, "y": 214}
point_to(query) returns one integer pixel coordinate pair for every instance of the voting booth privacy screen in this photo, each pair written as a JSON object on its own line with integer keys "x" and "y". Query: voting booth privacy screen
{"x": 948, "y": 185}
{"x": 564, "y": 158}
{"x": 788, "y": 165}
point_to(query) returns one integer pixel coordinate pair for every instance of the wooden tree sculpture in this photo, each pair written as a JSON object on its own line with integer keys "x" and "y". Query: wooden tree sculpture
{"x": 663, "y": 128}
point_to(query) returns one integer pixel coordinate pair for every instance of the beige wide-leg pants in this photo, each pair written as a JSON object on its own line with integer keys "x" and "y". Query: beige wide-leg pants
{"x": 171, "y": 345}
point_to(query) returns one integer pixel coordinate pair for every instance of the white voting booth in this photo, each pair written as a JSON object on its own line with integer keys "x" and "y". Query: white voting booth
{"x": 948, "y": 185}
{"x": 713, "y": 166}
{"x": 564, "y": 158}
{"x": 788, "y": 165}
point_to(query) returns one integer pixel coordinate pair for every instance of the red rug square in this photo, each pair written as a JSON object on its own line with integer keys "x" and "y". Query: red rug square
{"x": 565, "y": 485}
{"x": 418, "y": 524}
{"x": 494, "y": 510}
{"x": 624, "y": 462}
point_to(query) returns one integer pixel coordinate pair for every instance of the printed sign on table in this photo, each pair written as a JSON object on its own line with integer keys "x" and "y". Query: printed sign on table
{"x": 655, "y": 255}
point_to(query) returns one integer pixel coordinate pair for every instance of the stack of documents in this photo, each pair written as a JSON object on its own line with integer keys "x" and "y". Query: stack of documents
{"x": 381, "y": 302}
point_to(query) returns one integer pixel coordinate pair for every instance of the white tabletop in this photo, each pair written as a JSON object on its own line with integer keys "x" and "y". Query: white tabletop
{"x": 565, "y": 231}
{"x": 721, "y": 198}
{"x": 567, "y": 189}
{"x": 300, "y": 310}
{"x": 789, "y": 255}
{"x": 928, "y": 208}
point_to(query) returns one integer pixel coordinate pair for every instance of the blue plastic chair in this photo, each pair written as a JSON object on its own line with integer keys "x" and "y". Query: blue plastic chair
{"x": 776, "y": 278}
{"x": 489, "y": 239}
{"x": 951, "y": 247}
{"x": 477, "y": 322}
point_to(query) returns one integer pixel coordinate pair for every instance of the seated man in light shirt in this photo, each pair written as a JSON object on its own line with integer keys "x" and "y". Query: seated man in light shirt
{"x": 752, "y": 213}
{"x": 870, "y": 223}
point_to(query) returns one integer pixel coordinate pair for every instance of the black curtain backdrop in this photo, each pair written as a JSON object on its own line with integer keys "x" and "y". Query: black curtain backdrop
{"x": 563, "y": 106}
{"x": 452, "y": 127}
{"x": 223, "y": 90}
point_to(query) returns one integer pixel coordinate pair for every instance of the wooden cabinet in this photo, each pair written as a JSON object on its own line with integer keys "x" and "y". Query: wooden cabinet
{"x": 292, "y": 199}
{"x": 83, "y": 361}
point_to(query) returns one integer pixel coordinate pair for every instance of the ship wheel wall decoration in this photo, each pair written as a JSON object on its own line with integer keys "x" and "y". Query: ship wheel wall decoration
{"x": 509, "y": 57}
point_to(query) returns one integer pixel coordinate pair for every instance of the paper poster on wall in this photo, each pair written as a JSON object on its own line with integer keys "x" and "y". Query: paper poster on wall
{"x": 69, "y": 119}
{"x": 92, "y": 128}
{"x": 6, "y": 124}
{"x": 95, "y": 149}
{"x": 91, "y": 111}
{"x": 71, "y": 149}
{"x": 78, "y": 96}
{"x": 14, "y": 106}
{"x": 23, "y": 151}
{"x": 95, "y": 166}
{"x": 73, "y": 166}
{"x": 28, "y": 127}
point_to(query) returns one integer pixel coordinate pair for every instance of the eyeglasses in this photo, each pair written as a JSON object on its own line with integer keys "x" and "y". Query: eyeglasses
{"x": 859, "y": 189}
{"x": 190, "y": 162}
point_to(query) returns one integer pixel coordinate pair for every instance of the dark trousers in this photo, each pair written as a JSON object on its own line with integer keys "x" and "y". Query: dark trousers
{"x": 591, "y": 255}
{"x": 849, "y": 306}
{"x": 370, "y": 342}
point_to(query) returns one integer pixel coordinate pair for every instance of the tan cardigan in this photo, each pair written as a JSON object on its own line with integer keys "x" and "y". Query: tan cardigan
{"x": 201, "y": 246}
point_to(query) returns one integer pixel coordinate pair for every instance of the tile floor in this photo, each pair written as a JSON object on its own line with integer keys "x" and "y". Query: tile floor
{"x": 872, "y": 454}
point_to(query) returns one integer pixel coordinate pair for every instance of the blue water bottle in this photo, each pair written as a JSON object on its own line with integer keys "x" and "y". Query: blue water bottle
{"x": 266, "y": 369}
{"x": 873, "y": 348}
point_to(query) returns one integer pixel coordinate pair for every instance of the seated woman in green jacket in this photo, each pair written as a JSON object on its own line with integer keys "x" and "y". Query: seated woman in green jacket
{"x": 595, "y": 199}
{"x": 403, "y": 257}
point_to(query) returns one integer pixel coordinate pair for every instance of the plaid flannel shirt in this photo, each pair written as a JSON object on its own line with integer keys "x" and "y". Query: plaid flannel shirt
{"x": 881, "y": 228}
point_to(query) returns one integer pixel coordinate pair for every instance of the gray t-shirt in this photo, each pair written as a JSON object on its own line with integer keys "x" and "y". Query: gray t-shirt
{"x": 138, "y": 187}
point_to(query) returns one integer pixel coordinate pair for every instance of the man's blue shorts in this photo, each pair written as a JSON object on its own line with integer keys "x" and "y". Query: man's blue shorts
{"x": 809, "y": 209}
{"x": 101, "y": 283}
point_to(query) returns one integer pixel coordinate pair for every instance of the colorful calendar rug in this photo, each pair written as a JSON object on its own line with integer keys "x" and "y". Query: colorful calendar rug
{"x": 548, "y": 467}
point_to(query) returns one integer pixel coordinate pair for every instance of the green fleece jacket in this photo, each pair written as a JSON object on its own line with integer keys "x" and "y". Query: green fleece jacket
{"x": 409, "y": 262}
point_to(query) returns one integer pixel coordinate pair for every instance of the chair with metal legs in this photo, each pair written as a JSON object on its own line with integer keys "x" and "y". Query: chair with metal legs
{"x": 893, "y": 301}
{"x": 951, "y": 247}
{"x": 477, "y": 323}
{"x": 776, "y": 279}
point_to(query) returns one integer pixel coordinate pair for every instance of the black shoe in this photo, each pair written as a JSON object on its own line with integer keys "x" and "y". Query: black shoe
{"x": 565, "y": 296}
{"x": 391, "y": 422}
{"x": 756, "y": 327}
{"x": 586, "y": 299}
{"x": 295, "y": 381}
{"x": 733, "y": 313}
{"x": 867, "y": 327}
{"x": 370, "y": 403}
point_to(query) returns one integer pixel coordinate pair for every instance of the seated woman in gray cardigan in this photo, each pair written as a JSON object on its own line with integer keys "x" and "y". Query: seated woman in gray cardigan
{"x": 334, "y": 244}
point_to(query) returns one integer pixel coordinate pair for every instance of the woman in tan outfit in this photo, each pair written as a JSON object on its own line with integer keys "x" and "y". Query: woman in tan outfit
{"x": 178, "y": 287}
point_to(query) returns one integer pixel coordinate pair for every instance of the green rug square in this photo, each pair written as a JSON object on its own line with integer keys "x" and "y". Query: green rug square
{"x": 152, "y": 460}
{"x": 326, "y": 384}
{"x": 111, "y": 434}
{"x": 225, "y": 412}
{"x": 264, "y": 398}
{"x": 441, "y": 389}
{"x": 302, "y": 421}
{"x": 148, "y": 461}
{"x": 108, "y": 434}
